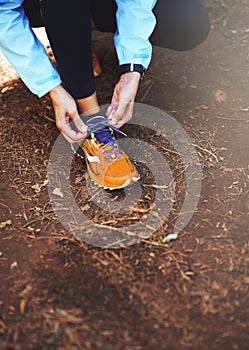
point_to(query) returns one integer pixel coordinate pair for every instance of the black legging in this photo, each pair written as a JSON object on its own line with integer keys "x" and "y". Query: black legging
{"x": 181, "y": 25}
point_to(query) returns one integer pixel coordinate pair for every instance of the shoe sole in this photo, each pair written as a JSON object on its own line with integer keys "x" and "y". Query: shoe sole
{"x": 97, "y": 74}
{"x": 127, "y": 183}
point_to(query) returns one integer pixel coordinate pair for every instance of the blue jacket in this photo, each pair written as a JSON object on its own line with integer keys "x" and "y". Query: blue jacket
{"x": 135, "y": 22}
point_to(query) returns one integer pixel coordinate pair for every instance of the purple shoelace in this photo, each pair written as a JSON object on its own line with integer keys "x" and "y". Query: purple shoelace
{"x": 103, "y": 132}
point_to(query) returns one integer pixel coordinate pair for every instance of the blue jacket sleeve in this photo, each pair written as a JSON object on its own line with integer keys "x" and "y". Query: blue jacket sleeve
{"x": 135, "y": 24}
{"x": 24, "y": 51}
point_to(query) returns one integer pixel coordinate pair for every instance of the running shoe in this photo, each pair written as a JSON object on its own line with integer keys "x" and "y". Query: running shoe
{"x": 107, "y": 165}
{"x": 96, "y": 65}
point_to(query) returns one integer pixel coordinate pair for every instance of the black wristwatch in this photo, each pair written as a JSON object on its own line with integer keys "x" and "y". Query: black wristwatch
{"x": 132, "y": 67}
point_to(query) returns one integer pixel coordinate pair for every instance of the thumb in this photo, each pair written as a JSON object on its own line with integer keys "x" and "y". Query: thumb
{"x": 119, "y": 111}
{"x": 78, "y": 122}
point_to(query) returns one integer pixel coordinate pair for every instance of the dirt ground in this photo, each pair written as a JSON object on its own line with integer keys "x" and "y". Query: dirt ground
{"x": 192, "y": 293}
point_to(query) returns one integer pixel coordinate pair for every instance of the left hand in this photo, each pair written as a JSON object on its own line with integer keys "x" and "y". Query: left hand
{"x": 121, "y": 108}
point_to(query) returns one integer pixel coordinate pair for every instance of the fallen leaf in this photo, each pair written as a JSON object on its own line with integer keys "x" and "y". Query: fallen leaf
{"x": 220, "y": 95}
{"x": 144, "y": 210}
{"x": 57, "y": 192}
{"x": 170, "y": 237}
{"x": 3, "y": 224}
{"x": 13, "y": 265}
{"x": 38, "y": 187}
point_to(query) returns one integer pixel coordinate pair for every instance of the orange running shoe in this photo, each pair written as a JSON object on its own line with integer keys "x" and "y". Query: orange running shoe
{"x": 107, "y": 165}
{"x": 96, "y": 65}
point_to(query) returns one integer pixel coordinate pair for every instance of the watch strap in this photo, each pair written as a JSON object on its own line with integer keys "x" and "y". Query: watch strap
{"x": 132, "y": 67}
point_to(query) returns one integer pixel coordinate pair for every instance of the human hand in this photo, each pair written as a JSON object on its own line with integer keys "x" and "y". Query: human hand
{"x": 121, "y": 108}
{"x": 65, "y": 109}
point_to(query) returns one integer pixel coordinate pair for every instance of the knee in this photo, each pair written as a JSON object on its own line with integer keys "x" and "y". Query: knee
{"x": 195, "y": 27}
{"x": 181, "y": 25}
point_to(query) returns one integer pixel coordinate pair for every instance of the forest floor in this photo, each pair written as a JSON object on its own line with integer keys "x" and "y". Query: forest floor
{"x": 58, "y": 292}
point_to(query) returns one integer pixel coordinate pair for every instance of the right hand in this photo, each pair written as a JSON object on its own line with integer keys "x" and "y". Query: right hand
{"x": 65, "y": 109}
{"x": 121, "y": 108}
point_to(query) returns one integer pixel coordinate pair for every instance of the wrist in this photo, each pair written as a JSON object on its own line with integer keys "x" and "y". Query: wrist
{"x": 56, "y": 90}
{"x": 132, "y": 67}
{"x": 130, "y": 77}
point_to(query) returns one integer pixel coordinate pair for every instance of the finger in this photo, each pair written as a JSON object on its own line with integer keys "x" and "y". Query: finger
{"x": 119, "y": 111}
{"x": 70, "y": 134}
{"x": 78, "y": 122}
{"x": 126, "y": 116}
{"x": 79, "y": 137}
{"x": 113, "y": 106}
{"x": 123, "y": 112}
{"x": 110, "y": 110}
{"x": 67, "y": 138}
{"x": 64, "y": 125}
